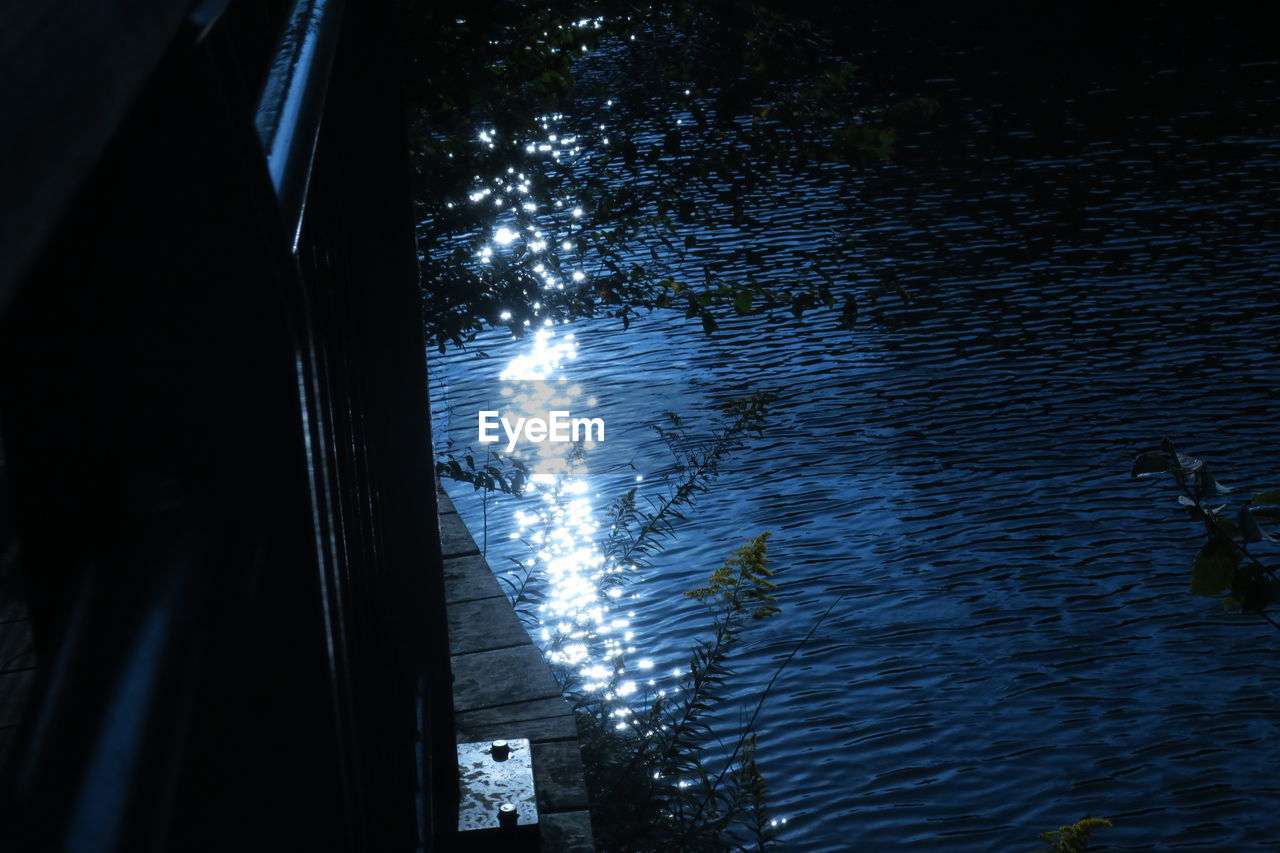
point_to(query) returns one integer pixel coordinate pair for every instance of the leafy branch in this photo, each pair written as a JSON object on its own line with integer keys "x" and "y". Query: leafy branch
{"x": 706, "y": 106}
{"x": 1074, "y": 838}
{"x": 498, "y": 473}
{"x": 747, "y": 742}
{"x": 635, "y": 532}
{"x": 1228, "y": 562}
{"x": 652, "y": 787}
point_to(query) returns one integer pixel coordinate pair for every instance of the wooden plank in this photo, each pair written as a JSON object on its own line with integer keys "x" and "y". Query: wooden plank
{"x": 444, "y": 502}
{"x": 488, "y": 623}
{"x": 533, "y": 709}
{"x": 544, "y": 730}
{"x": 469, "y": 578}
{"x": 557, "y": 774}
{"x": 567, "y": 832}
{"x": 455, "y": 538}
{"x": 501, "y": 677}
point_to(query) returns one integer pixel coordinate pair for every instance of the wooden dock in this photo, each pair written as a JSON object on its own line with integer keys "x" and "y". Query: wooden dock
{"x": 503, "y": 688}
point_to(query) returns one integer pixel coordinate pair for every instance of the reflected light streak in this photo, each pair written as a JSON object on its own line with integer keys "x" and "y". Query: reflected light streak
{"x": 578, "y": 627}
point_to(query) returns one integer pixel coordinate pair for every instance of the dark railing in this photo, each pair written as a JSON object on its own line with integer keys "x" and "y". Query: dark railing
{"x": 213, "y": 403}
{"x": 292, "y": 102}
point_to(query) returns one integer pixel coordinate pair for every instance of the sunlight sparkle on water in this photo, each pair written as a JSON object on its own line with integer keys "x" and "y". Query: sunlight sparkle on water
{"x": 544, "y": 361}
{"x": 559, "y": 519}
{"x": 579, "y": 628}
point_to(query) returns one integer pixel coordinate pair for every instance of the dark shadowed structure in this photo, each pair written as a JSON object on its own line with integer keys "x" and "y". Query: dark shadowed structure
{"x": 217, "y": 465}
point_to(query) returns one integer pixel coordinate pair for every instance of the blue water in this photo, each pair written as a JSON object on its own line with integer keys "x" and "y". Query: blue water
{"x": 1013, "y": 645}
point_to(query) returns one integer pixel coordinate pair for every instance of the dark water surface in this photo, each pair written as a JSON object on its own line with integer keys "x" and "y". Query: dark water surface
{"x": 1093, "y": 266}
